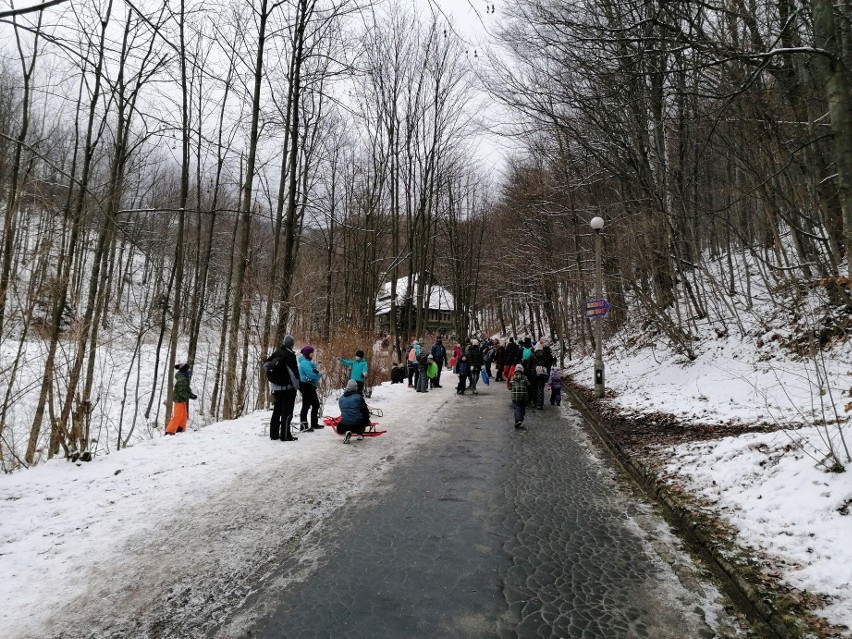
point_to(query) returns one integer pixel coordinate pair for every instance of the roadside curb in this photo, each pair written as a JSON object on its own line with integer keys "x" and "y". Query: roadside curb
{"x": 747, "y": 595}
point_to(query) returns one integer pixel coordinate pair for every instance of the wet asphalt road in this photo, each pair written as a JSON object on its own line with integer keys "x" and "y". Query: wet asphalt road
{"x": 491, "y": 532}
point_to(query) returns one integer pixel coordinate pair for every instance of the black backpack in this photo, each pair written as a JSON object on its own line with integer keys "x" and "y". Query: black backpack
{"x": 276, "y": 371}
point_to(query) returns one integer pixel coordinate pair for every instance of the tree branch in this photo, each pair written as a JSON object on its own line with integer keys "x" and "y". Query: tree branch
{"x": 37, "y": 7}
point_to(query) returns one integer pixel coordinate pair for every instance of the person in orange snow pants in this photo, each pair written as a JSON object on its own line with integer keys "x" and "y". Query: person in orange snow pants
{"x": 181, "y": 396}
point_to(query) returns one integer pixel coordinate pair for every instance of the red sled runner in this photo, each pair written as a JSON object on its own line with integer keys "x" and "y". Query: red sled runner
{"x": 370, "y": 432}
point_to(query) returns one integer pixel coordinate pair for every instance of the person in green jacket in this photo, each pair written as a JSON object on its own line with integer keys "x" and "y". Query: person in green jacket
{"x": 181, "y": 396}
{"x": 359, "y": 369}
{"x": 519, "y": 386}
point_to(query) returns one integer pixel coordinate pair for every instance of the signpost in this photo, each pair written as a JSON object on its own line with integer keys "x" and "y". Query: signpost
{"x": 596, "y": 308}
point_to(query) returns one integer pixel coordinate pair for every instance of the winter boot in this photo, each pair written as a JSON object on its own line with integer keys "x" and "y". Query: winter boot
{"x": 287, "y": 433}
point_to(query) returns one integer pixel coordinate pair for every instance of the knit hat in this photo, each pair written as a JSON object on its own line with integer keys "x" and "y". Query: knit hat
{"x": 289, "y": 341}
{"x": 351, "y": 385}
{"x": 429, "y": 356}
{"x": 307, "y": 350}
{"x": 182, "y": 366}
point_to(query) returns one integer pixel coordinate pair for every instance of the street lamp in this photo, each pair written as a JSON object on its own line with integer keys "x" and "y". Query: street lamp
{"x": 597, "y": 224}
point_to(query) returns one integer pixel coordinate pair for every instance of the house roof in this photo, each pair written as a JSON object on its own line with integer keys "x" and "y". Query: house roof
{"x": 439, "y": 298}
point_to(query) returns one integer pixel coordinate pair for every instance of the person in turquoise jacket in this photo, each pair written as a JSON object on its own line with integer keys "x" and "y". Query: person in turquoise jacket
{"x": 359, "y": 369}
{"x": 309, "y": 381}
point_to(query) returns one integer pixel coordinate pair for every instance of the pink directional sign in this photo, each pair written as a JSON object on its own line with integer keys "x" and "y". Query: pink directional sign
{"x": 597, "y": 308}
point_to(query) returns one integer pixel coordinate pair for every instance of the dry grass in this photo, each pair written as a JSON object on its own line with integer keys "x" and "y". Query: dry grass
{"x": 343, "y": 344}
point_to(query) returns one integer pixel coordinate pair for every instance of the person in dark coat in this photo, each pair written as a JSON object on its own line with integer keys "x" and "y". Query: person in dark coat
{"x": 439, "y": 355}
{"x": 354, "y": 413}
{"x": 499, "y": 359}
{"x": 423, "y": 363}
{"x": 513, "y": 356}
{"x": 462, "y": 369}
{"x": 539, "y": 374}
{"x": 474, "y": 358}
{"x": 283, "y": 389}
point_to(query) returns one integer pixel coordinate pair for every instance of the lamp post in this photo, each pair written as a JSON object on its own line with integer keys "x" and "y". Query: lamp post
{"x": 597, "y": 224}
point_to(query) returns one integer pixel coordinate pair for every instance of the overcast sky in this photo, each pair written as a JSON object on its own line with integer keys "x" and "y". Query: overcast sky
{"x": 475, "y": 23}
{"x": 468, "y": 17}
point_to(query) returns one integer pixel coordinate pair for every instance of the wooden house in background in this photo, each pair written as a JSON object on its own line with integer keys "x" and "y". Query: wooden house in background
{"x": 438, "y": 302}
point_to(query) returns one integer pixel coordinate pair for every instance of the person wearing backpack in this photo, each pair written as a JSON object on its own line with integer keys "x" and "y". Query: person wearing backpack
{"x": 359, "y": 369}
{"x": 541, "y": 372}
{"x": 413, "y": 357}
{"x": 282, "y": 372}
{"x": 526, "y": 361}
{"x": 180, "y": 396}
{"x": 555, "y": 386}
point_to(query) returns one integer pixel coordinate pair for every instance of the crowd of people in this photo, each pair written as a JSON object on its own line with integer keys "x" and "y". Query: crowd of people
{"x": 527, "y": 367}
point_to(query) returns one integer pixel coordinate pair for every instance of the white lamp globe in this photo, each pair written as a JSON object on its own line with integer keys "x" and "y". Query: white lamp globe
{"x": 597, "y": 223}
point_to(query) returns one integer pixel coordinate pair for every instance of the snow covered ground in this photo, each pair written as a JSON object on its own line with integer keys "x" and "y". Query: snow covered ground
{"x": 133, "y": 524}
{"x": 773, "y": 488}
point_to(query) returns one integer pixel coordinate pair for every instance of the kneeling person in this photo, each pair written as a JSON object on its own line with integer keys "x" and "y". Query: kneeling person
{"x": 354, "y": 414}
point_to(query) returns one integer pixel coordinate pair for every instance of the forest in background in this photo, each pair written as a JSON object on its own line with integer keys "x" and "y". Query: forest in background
{"x": 179, "y": 173}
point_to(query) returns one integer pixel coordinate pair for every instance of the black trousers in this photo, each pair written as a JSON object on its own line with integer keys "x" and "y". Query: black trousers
{"x": 462, "y": 383}
{"x": 357, "y": 429}
{"x": 499, "y": 377}
{"x": 436, "y": 381}
{"x": 540, "y": 384}
{"x": 413, "y": 374}
{"x": 282, "y": 414}
{"x": 310, "y": 401}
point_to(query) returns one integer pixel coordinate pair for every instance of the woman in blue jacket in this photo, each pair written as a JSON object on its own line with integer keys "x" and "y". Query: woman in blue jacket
{"x": 359, "y": 369}
{"x": 309, "y": 381}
